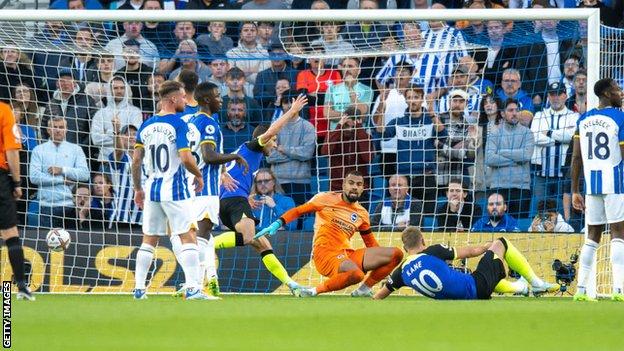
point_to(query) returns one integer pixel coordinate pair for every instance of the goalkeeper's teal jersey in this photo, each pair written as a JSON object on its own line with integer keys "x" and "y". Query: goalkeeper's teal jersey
{"x": 431, "y": 276}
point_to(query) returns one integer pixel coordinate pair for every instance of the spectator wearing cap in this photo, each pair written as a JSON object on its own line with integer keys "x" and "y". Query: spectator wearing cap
{"x": 118, "y": 113}
{"x": 508, "y": 153}
{"x": 417, "y": 147}
{"x": 239, "y": 88}
{"x": 348, "y": 93}
{"x": 510, "y": 89}
{"x": 189, "y": 60}
{"x": 69, "y": 102}
{"x": 249, "y": 56}
{"x": 132, "y": 30}
{"x": 552, "y": 129}
{"x": 459, "y": 150}
{"x": 364, "y": 34}
{"x": 459, "y": 81}
{"x": 215, "y": 42}
{"x": 134, "y": 72}
{"x": 291, "y": 160}
{"x": 264, "y": 89}
{"x": 332, "y": 42}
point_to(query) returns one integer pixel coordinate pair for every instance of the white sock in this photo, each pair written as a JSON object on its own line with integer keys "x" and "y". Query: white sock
{"x": 211, "y": 259}
{"x": 590, "y": 285}
{"x": 519, "y": 285}
{"x": 143, "y": 262}
{"x": 176, "y": 244}
{"x": 189, "y": 260}
{"x": 586, "y": 260}
{"x": 364, "y": 288}
{"x": 617, "y": 265}
{"x": 202, "y": 246}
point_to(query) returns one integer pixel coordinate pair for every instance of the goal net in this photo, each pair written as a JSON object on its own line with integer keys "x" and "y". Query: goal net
{"x": 421, "y": 107}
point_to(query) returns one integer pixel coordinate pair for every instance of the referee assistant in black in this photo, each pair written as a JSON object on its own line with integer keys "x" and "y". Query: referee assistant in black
{"x": 10, "y": 191}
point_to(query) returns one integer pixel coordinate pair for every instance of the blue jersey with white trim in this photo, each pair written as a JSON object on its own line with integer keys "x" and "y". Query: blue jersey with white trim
{"x": 600, "y": 133}
{"x": 431, "y": 276}
{"x": 162, "y": 137}
{"x": 204, "y": 129}
{"x": 251, "y": 151}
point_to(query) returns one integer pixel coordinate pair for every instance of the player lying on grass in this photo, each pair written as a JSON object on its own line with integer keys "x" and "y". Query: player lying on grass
{"x": 234, "y": 209}
{"x": 426, "y": 271}
{"x": 338, "y": 216}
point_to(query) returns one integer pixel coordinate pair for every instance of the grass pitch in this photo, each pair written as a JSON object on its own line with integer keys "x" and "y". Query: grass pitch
{"x": 255, "y": 323}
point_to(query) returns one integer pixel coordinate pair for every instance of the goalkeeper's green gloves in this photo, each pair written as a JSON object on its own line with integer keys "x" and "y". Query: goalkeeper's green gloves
{"x": 270, "y": 230}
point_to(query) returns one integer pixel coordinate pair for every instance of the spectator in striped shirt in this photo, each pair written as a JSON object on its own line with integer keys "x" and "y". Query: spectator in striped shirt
{"x": 553, "y": 129}
{"x": 125, "y": 211}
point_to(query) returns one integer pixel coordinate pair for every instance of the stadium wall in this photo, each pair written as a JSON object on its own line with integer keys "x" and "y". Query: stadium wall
{"x": 101, "y": 262}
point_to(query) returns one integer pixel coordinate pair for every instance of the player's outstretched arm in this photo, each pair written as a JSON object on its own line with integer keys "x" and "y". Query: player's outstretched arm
{"x": 471, "y": 251}
{"x": 286, "y": 218}
{"x": 297, "y": 105}
{"x": 212, "y": 157}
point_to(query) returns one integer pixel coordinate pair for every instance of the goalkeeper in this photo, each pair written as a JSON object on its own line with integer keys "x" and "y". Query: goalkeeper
{"x": 338, "y": 216}
{"x": 426, "y": 271}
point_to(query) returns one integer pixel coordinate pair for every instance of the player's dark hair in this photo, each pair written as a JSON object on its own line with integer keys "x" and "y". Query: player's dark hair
{"x": 189, "y": 80}
{"x": 354, "y": 173}
{"x": 259, "y": 130}
{"x": 168, "y": 87}
{"x": 602, "y": 86}
{"x": 204, "y": 92}
{"x": 411, "y": 237}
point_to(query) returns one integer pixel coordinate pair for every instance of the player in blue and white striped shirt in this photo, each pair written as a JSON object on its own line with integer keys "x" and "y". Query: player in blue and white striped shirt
{"x": 206, "y": 143}
{"x": 162, "y": 148}
{"x": 598, "y": 150}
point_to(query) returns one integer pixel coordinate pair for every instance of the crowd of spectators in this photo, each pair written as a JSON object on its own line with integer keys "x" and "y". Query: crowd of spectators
{"x": 476, "y": 119}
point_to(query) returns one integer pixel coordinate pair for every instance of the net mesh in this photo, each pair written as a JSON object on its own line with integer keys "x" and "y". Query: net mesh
{"x": 414, "y": 106}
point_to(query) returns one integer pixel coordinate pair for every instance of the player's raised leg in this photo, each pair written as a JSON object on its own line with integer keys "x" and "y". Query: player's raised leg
{"x": 516, "y": 261}
{"x": 380, "y": 261}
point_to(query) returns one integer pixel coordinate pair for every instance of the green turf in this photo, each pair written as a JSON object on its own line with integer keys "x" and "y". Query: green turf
{"x": 97, "y": 322}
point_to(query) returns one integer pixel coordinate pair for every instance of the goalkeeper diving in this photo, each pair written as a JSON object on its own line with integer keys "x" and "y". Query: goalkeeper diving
{"x": 426, "y": 271}
{"x": 338, "y": 216}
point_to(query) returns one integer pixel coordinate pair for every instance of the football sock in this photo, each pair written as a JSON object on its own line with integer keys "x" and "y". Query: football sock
{"x": 519, "y": 263}
{"x": 273, "y": 265}
{"x": 202, "y": 248}
{"x": 586, "y": 261}
{"x": 176, "y": 244}
{"x": 341, "y": 281}
{"x": 16, "y": 257}
{"x": 510, "y": 287}
{"x": 228, "y": 240}
{"x": 381, "y": 272}
{"x": 189, "y": 260}
{"x": 210, "y": 259}
{"x": 617, "y": 265}
{"x": 143, "y": 263}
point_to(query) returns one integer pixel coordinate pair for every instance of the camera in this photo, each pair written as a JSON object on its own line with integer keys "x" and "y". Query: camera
{"x": 565, "y": 272}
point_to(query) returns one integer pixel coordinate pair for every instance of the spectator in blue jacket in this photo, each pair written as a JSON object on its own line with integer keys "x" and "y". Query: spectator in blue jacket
{"x": 418, "y": 136}
{"x": 268, "y": 201}
{"x": 497, "y": 219}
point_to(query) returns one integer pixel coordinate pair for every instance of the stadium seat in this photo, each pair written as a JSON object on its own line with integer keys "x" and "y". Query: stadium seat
{"x": 428, "y": 223}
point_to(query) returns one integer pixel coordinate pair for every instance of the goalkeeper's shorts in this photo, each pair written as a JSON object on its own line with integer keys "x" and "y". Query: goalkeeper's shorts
{"x": 327, "y": 260}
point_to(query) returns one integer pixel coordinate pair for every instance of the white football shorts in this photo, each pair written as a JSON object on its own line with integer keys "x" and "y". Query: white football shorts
{"x": 168, "y": 217}
{"x": 207, "y": 207}
{"x": 603, "y": 209}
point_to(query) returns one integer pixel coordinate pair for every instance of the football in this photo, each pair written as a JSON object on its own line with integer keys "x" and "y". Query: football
{"x": 58, "y": 239}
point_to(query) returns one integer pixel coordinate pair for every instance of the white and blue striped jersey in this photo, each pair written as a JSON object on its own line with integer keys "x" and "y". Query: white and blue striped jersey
{"x": 426, "y": 68}
{"x": 189, "y": 112}
{"x": 600, "y": 132}
{"x": 204, "y": 129}
{"x": 449, "y": 46}
{"x": 162, "y": 137}
{"x": 124, "y": 208}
